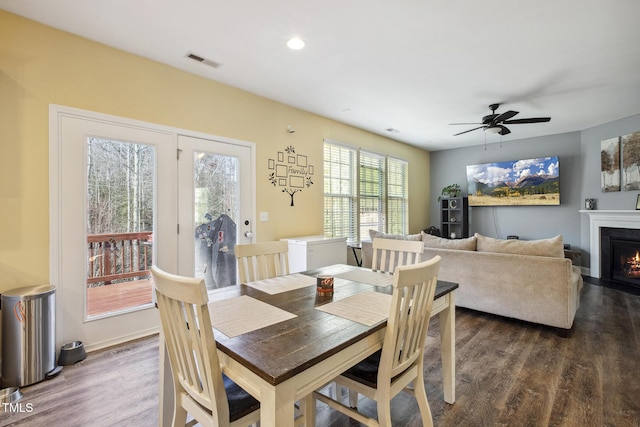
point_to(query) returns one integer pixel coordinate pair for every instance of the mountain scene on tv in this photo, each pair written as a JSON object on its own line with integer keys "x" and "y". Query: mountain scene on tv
{"x": 517, "y": 182}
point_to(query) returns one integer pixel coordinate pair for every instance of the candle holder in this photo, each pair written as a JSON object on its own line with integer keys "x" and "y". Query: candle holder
{"x": 589, "y": 204}
{"x": 325, "y": 286}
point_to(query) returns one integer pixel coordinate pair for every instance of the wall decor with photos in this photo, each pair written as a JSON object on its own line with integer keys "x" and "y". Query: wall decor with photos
{"x": 620, "y": 163}
{"x": 290, "y": 172}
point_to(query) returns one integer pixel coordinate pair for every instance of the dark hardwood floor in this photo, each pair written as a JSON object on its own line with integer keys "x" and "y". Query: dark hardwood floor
{"x": 509, "y": 373}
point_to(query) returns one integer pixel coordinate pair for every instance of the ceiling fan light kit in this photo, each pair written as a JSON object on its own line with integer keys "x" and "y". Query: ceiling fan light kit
{"x": 494, "y": 122}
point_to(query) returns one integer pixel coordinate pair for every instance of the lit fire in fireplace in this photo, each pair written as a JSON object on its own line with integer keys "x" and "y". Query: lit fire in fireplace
{"x": 631, "y": 267}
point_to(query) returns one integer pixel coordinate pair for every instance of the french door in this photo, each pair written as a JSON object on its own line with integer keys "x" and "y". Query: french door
{"x": 213, "y": 216}
{"x": 121, "y": 199}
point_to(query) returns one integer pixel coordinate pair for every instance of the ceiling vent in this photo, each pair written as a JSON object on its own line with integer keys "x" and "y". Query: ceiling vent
{"x": 202, "y": 60}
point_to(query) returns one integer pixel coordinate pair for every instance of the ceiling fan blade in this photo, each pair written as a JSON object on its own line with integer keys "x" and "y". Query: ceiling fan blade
{"x": 488, "y": 118}
{"x": 455, "y": 124}
{"x": 529, "y": 120}
{"x": 504, "y": 130}
{"x": 505, "y": 116}
{"x": 479, "y": 127}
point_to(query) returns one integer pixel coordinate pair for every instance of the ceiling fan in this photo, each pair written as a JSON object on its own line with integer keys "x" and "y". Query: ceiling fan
{"x": 494, "y": 122}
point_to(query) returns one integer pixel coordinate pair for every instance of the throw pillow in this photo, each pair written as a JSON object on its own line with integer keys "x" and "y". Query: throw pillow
{"x": 468, "y": 244}
{"x": 552, "y": 247}
{"x": 373, "y": 234}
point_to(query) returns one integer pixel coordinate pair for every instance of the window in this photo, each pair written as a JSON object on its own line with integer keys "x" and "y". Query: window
{"x": 397, "y": 196}
{"x": 340, "y": 186}
{"x": 372, "y": 193}
{"x": 363, "y": 191}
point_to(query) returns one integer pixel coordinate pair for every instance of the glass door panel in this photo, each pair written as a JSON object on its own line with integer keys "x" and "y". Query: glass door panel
{"x": 120, "y": 217}
{"x": 215, "y": 207}
{"x": 216, "y": 197}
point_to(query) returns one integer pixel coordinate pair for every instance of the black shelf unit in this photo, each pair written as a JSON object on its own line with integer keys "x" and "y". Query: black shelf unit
{"x": 454, "y": 217}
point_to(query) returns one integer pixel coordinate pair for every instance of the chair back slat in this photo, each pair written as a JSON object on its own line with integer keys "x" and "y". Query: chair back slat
{"x": 413, "y": 291}
{"x": 390, "y": 253}
{"x": 186, "y": 324}
{"x": 259, "y": 261}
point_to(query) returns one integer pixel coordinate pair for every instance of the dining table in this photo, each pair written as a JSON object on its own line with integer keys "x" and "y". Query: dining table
{"x": 280, "y": 340}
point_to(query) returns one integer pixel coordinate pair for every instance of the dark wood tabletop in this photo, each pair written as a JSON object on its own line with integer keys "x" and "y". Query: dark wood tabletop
{"x": 278, "y": 352}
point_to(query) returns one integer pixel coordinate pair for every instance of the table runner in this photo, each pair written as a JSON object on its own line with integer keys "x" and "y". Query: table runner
{"x": 374, "y": 278}
{"x": 239, "y": 315}
{"x": 279, "y": 284}
{"x": 367, "y": 308}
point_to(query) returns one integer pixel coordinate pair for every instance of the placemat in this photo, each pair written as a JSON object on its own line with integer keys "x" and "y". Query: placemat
{"x": 367, "y": 308}
{"x": 239, "y": 315}
{"x": 279, "y": 284}
{"x": 374, "y": 278}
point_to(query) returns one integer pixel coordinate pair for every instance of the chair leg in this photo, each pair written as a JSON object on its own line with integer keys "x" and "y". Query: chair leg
{"x": 308, "y": 409}
{"x": 179, "y": 416}
{"x": 423, "y": 403}
{"x": 353, "y": 399}
{"x": 384, "y": 413}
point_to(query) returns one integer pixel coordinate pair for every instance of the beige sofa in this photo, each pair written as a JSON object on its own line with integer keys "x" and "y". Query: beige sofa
{"x": 526, "y": 280}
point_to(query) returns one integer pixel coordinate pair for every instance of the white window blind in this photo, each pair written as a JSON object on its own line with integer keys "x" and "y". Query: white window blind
{"x": 340, "y": 192}
{"x": 397, "y": 196}
{"x": 372, "y": 195}
{"x": 363, "y": 191}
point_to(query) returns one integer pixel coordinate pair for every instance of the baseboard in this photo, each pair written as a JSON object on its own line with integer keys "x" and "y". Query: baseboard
{"x": 121, "y": 339}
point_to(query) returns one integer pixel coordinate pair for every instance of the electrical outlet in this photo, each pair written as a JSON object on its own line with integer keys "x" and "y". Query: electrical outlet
{"x": 264, "y": 216}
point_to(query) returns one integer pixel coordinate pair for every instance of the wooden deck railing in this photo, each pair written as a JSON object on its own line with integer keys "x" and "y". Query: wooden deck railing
{"x": 114, "y": 257}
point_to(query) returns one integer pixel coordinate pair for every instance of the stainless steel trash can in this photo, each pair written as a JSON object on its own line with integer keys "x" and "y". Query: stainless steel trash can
{"x": 28, "y": 334}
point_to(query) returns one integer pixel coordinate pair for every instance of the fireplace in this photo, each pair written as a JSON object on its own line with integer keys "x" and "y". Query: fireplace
{"x": 624, "y": 219}
{"x": 620, "y": 255}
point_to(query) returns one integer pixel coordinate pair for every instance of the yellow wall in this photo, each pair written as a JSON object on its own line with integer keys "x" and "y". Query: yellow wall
{"x": 40, "y": 66}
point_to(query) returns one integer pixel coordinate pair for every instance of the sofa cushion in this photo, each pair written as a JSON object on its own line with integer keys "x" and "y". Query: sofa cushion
{"x": 377, "y": 234}
{"x": 468, "y": 244}
{"x": 552, "y": 247}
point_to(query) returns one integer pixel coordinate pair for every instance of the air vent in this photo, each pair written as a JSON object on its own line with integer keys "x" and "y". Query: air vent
{"x": 195, "y": 57}
{"x": 203, "y": 60}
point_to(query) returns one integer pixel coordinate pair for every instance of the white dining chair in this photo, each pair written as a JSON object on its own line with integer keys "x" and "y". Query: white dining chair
{"x": 200, "y": 387}
{"x": 399, "y": 363}
{"x": 391, "y": 253}
{"x": 259, "y": 261}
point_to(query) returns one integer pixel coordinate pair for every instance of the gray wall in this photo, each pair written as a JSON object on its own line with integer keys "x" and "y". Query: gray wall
{"x": 590, "y": 176}
{"x": 579, "y": 156}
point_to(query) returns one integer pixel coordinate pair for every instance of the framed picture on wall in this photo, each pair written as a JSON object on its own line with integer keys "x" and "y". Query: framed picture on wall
{"x": 631, "y": 162}
{"x": 610, "y": 165}
{"x": 638, "y": 203}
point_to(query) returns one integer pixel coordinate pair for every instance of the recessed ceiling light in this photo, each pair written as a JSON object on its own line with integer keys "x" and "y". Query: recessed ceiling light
{"x": 295, "y": 43}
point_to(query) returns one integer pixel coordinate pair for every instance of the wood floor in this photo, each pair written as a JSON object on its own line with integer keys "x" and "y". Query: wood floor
{"x": 509, "y": 373}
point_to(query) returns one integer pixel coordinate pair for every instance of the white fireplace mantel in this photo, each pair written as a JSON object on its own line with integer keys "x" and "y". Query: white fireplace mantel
{"x": 606, "y": 218}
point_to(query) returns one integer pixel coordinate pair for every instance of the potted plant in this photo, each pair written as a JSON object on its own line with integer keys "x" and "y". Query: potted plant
{"x": 452, "y": 190}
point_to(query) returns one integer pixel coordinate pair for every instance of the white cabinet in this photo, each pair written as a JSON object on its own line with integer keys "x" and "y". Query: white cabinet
{"x": 309, "y": 252}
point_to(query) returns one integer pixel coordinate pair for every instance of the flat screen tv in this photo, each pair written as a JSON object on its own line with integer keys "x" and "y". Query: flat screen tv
{"x": 515, "y": 183}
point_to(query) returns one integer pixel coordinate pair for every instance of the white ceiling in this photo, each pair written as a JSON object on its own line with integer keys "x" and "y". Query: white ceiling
{"x": 412, "y": 65}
